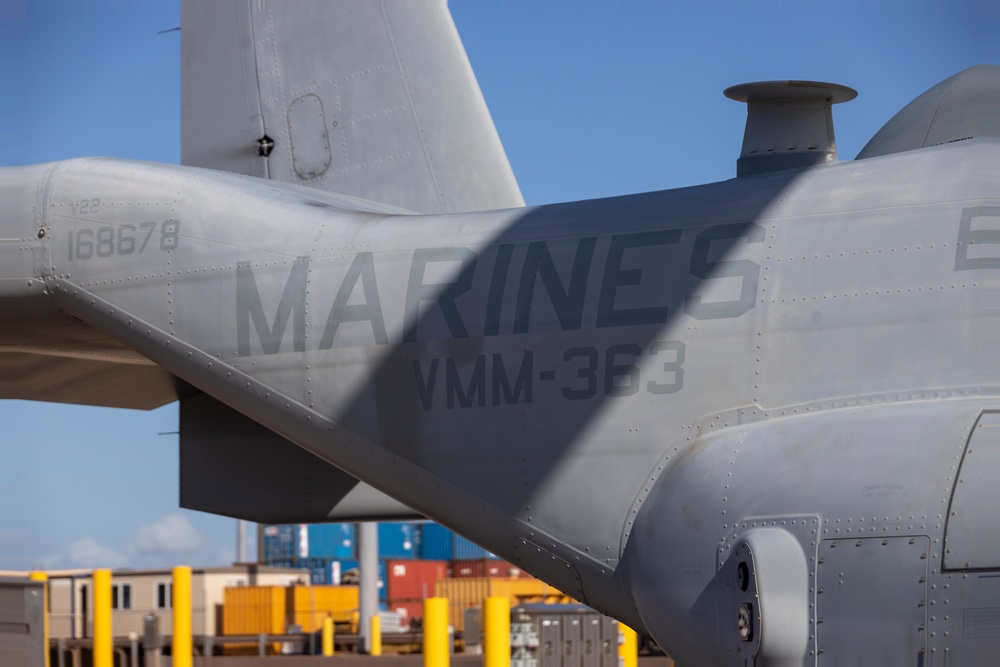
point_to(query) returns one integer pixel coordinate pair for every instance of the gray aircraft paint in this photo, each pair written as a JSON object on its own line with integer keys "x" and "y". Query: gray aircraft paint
{"x": 752, "y": 404}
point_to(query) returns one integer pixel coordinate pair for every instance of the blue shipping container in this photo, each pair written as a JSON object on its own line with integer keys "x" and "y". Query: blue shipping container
{"x": 465, "y": 550}
{"x": 395, "y": 541}
{"x": 283, "y": 563}
{"x": 434, "y": 542}
{"x": 319, "y": 570}
{"x": 279, "y": 543}
{"x": 331, "y": 540}
{"x": 346, "y": 565}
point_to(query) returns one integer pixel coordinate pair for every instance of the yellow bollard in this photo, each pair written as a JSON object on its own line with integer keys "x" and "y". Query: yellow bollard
{"x": 327, "y": 637}
{"x": 102, "y": 618}
{"x": 182, "y": 650}
{"x": 44, "y": 578}
{"x": 496, "y": 632}
{"x": 436, "y": 632}
{"x": 376, "y": 635}
{"x": 628, "y": 650}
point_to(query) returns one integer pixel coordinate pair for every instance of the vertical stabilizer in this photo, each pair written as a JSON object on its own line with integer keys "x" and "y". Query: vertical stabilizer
{"x": 371, "y": 99}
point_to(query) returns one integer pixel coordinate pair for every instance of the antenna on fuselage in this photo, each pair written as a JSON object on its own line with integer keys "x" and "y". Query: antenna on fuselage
{"x": 789, "y": 124}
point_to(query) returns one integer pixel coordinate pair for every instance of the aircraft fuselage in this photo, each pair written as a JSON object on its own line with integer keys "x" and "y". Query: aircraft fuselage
{"x": 492, "y": 369}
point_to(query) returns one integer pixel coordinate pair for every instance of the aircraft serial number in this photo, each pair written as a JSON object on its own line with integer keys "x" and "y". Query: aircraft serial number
{"x": 87, "y": 243}
{"x": 582, "y": 374}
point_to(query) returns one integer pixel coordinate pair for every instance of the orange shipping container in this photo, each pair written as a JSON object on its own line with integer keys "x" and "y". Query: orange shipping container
{"x": 252, "y": 610}
{"x": 309, "y": 605}
{"x": 470, "y": 592}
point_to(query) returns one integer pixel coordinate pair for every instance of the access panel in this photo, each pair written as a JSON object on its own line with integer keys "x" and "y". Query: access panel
{"x": 972, "y": 533}
{"x": 871, "y": 600}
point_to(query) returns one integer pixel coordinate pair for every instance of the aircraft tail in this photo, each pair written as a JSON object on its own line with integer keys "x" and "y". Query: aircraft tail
{"x": 371, "y": 99}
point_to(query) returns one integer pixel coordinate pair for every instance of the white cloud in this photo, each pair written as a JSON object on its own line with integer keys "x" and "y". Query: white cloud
{"x": 172, "y": 540}
{"x": 168, "y": 541}
{"x": 84, "y": 553}
{"x": 171, "y": 534}
{"x": 88, "y": 552}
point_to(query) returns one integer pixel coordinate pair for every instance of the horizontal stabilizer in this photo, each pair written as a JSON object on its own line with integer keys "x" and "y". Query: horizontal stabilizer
{"x": 233, "y": 466}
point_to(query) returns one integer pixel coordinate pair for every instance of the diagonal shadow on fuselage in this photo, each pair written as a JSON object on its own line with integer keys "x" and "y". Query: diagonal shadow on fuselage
{"x": 548, "y": 377}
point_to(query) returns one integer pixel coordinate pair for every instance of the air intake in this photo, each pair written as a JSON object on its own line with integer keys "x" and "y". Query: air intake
{"x": 789, "y": 124}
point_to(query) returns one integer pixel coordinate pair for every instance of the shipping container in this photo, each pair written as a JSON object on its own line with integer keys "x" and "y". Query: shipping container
{"x": 320, "y": 572}
{"x": 279, "y": 543}
{"x": 309, "y": 605}
{"x": 434, "y": 542}
{"x": 501, "y": 568}
{"x": 330, "y": 540}
{"x": 485, "y": 567}
{"x": 410, "y": 610}
{"x": 253, "y": 610}
{"x": 348, "y": 573}
{"x": 413, "y": 579}
{"x": 395, "y": 540}
{"x": 465, "y": 593}
{"x": 463, "y": 549}
{"x": 468, "y": 569}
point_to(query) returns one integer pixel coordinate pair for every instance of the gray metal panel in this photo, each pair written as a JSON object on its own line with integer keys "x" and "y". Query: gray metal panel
{"x": 591, "y": 642}
{"x": 972, "y": 534}
{"x": 403, "y": 120}
{"x": 572, "y": 640}
{"x": 472, "y": 633}
{"x": 871, "y": 600}
{"x": 550, "y": 637}
{"x": 965, "y": 612}
{"x": 22, "y": 631}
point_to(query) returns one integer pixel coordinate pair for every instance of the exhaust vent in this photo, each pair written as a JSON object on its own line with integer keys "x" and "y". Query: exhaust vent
{"x": 789, "y": 124}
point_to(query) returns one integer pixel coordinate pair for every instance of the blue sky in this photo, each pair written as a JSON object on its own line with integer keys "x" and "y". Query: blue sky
{"x": 590, "y": 99}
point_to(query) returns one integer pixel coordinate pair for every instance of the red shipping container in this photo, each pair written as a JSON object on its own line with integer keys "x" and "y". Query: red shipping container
{"x": 486, "y": 567}
{"x": 414, "y": 579}
{"x": 468, "y": 569}
{"x": 409, "y": 609}
{"x": 501, "y": 568}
